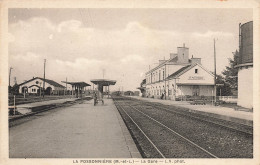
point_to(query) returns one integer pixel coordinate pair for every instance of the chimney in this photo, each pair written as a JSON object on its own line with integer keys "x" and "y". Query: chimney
{"x": 183, "y": 54}
{"x": 195, "y": 60}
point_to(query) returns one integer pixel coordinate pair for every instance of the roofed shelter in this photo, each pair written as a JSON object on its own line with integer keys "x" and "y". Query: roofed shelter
{"x": 103, "y": 82}
{"x": 77, "y": 87}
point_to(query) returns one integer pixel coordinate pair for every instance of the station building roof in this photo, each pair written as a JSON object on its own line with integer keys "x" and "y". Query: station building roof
{"x": 178, "y": 72}
{"x": 185, "y": 69}
{"x": 51, "y": 82}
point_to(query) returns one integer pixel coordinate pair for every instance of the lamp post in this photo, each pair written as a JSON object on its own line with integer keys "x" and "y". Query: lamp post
{"x": 122, "y": 81}
{"x": 66, "y": 85}
{"x": 44, "y": 79}
{"x": 220, "y": 88}
{"x": 40, "y": 89}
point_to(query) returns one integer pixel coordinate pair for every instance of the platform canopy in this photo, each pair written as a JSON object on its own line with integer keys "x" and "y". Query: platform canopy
{"x": 141, "y": 88}
{"x": 78, "y": 84}
{"x": 103, "y": 82}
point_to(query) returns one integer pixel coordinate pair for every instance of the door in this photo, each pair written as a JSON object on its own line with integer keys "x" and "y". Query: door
{"x": 195, "y": 90}
{"x": 48, "y": 91}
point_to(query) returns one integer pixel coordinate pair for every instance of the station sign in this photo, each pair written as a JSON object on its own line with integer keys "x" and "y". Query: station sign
{"x": 196, "y": 78}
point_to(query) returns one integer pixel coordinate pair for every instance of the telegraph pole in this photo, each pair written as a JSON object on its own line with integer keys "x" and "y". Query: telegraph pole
{"x": 165, "y": 81}
{"x": 44, "y": 79}
{"x": 215, "y": 77}
{"x": 66, "y": 85}
{"x": 40, "y": 89}
{"x": 9, "y": 87}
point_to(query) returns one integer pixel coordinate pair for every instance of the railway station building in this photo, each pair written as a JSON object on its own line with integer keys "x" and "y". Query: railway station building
{"x": 179, "y": 78}
{"x": 35, "y": 86}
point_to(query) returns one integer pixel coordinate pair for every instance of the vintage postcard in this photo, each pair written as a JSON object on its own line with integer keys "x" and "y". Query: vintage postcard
{"x": 129, "y": 82}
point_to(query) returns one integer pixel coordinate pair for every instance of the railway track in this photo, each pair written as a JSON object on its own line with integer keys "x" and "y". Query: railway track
{"x": 165, "y": 138}
{"x": 230, "y": 125}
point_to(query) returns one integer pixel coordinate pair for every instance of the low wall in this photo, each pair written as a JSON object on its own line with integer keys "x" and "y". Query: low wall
{"x": 228, "y": 99}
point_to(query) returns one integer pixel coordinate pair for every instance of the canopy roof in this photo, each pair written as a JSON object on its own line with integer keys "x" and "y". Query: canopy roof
{"x": 141, "y": 88}
{"x": 79, "y": 84}
{"x": 103, "y": 82}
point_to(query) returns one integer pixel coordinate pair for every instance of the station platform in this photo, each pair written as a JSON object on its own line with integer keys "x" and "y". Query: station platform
{"x": 24, "y": 109}
{"x": 224, "y": 113}
{"x": 79, "y": 131}
{"x": 41, "y": 103}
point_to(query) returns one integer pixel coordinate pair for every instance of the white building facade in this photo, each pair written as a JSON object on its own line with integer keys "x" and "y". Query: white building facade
{"x": 245, "y": 86}
{"x": 179, "y": 78}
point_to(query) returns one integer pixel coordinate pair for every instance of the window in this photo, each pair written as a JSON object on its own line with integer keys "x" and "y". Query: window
{"x": 163, "y": 74}
{"x": 196, "y": 70}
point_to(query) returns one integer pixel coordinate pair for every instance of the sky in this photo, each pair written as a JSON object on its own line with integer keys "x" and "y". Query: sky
{"x": 82, "y": 44}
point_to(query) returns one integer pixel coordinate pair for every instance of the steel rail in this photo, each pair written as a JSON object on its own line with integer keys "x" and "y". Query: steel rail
{"x": 175, "y": 133}
{"x": 198, "y": 118}
{"x": 141, "y": 130}
{"x": 208, "y": 121}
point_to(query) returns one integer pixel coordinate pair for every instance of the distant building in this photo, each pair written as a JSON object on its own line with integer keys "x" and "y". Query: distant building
{"x": 245, "y": 65}
{"x": 179, "y": 77}
{"x": 34, "y": 85}
{"x": 129, "y": 93}
{"x": 136, "y": 93}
